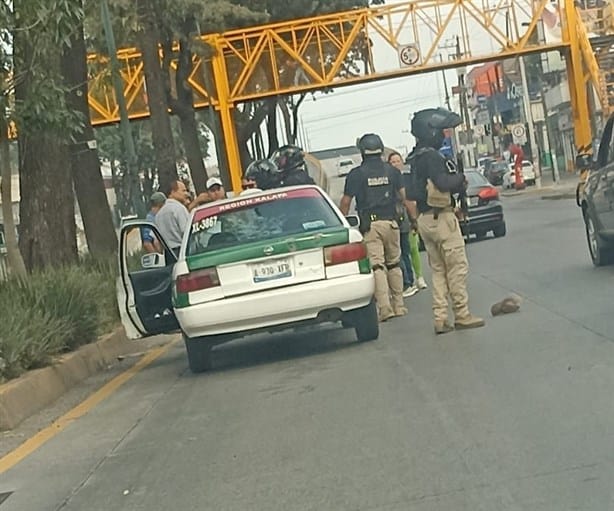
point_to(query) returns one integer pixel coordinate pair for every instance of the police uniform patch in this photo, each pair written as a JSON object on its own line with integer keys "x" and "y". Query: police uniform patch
{"x": 378, "y": 181}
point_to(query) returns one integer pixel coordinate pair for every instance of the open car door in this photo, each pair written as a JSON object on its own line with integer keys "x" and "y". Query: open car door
{"x": 145, "y": 282}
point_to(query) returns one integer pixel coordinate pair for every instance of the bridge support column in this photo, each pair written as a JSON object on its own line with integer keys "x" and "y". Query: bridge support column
{"x": 225, "y": 106}
{"x": 577, "y": 82}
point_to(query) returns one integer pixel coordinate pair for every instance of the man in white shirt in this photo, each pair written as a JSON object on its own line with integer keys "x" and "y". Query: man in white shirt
{"x": 174, "y": 217}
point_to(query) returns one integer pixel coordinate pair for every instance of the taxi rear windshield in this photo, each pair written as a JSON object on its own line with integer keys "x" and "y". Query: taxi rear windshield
{"x": 257, "y": 219}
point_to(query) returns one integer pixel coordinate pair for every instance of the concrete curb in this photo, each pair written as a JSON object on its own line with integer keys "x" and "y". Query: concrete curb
{"x": 34, "y": 390}
{"x": 562, "y": 190}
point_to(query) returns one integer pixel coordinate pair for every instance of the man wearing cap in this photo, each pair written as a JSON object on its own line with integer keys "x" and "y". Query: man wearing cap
{"x": 215, "y": 189}
{"x": 150, "y": 242}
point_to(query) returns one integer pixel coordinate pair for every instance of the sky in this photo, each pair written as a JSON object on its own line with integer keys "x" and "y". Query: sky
{"x": 383, "y": 107}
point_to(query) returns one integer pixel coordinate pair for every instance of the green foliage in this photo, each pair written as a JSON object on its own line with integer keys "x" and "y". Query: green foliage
{"x": 293, "y": 9}
{"x": 27, "y": 341}
{"x": 41, "y": 29}
{"x": 55, "y": 311}
{"x": 45, "y": 108}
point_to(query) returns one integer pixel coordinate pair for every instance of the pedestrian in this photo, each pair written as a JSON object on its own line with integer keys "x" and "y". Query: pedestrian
{"x": 215, "y": 189}
{"x": 434, "y": 181}
{"x": 248, "y": 182}
{"x": 416, "y": 260}
{"x": 174, "y": 217}
{"x": 150, "y": 242}
{"x": 405, "y": 228}
{"x": 377, "y": 188}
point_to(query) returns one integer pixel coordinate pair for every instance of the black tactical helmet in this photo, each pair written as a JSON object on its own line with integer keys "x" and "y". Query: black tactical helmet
{"x": 370, "y": 143}
{"x": 264, "y": 172}
{"x": 428, "y": 125}
{"x": 288, "y": 157}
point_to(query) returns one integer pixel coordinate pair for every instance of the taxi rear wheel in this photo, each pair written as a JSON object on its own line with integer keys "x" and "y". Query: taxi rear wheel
{"x": 199, "y": 354}
{"x": 366, "y": 323}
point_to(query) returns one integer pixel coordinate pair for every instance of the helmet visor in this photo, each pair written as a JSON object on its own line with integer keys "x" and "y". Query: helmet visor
{"x": 443, "y": 119}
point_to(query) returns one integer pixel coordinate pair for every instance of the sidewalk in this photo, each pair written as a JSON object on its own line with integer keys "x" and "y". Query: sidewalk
{"x": 564, "y": 189}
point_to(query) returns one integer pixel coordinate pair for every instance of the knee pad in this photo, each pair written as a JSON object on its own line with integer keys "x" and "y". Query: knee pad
{"x": 378, "y": 267}
{"x": 393, "y": 266}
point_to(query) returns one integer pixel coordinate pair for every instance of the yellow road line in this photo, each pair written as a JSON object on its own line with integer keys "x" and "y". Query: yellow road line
{"x": 43, "y": 436}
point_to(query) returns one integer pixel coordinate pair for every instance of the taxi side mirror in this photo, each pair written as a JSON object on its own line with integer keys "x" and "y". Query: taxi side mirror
{"x": 584, "y": 161}
{"x": 153, "y": 260}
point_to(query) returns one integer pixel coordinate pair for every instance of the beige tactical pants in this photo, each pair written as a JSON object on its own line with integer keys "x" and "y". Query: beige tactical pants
{"x": 384, "y": 250}
{"x": 445, "y": 248}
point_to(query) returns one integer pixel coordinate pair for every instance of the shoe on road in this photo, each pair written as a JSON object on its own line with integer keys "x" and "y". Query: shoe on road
{"x": 470, "y": 322}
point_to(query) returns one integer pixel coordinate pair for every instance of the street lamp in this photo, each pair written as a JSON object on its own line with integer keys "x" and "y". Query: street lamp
{"x": 528, "y": 112}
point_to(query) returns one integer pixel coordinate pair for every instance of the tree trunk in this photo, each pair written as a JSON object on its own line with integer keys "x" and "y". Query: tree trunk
{"x": 47, "y": 231}
{"x": 285, "y": 112}
{"x": 16, "y": 264}
{"x": 47, "y": 234}
{"x": 187, "y": 118}
{"x": 247, "y": 129}
{"x": 162, "y": 135}
{"x": 87, "y": 178}
{"x": 295, "y": 108}
{"x": 271, "y": 125}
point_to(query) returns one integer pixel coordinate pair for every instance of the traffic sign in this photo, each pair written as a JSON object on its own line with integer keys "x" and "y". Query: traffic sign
{"x": 518, "y": 131}
{"x": 409, "y": 55}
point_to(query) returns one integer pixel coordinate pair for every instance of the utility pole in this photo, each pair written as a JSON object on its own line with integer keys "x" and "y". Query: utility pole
{"x": 124, "y": 121}
{"x": 470, "y": 160}
{"x": 526, "y": 100}
{"x": 445, "y": 84}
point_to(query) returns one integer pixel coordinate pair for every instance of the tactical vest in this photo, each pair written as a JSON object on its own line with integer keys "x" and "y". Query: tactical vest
{"x": 435, "y": 198}
{"x": 378, "y": 198}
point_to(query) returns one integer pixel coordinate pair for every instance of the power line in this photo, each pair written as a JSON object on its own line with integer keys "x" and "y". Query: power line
{"x": 376, "y": 107}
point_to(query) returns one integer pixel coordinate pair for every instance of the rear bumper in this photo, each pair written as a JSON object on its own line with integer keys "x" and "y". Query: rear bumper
{"x": 275, "y": 307}
{"x": 484, "y": 219}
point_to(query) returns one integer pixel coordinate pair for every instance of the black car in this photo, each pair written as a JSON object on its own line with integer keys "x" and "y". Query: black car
{"x": 485, "y": 208}
{"x": 597, "y": 200}
{"x": 495, "y": 172}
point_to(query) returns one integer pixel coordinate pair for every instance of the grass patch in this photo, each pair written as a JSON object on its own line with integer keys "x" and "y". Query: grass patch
{"x": 54, "y": 311}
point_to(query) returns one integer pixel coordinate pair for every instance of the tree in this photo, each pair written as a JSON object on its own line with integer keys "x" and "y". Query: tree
{"x": 44, "y": 122}
{"x": 85, "y": 164}
{"x": 149, "y": 38}
{"x": 16, "y": 263}
{"x": 167, "y": 37}
{"x": 250, "y": 119}
{"x": 15, "y": 260}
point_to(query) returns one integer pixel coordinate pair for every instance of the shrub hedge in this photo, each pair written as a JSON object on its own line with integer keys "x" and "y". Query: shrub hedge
{"x": 53, "y": 312}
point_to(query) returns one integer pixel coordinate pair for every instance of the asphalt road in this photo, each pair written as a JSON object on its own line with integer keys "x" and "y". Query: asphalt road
{"x": 515, "y": 416}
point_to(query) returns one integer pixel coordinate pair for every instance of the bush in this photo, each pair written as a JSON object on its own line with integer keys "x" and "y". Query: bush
{"x": 54, "y": 311}
{"x": 104, "y": 272}
{"x": 28, "y": 341}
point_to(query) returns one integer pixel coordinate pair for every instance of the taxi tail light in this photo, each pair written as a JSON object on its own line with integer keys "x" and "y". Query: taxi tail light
{"x": 348, "y": 253}
{"x": 197, "y": 280}
{"x": 487, "y": 194}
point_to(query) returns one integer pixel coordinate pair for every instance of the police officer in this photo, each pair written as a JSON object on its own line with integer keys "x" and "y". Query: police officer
{"x": 436, "y": 180}
{"x": 377, "y": 187}
{"x": 291, "y": 165}
{"x": 264, "y": 173}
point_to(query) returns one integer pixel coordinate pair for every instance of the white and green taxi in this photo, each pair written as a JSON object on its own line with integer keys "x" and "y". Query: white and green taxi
{"x": 267, "y": 261}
